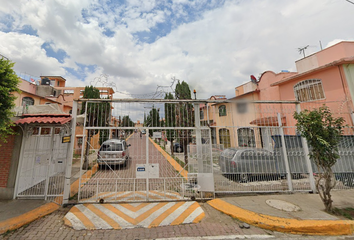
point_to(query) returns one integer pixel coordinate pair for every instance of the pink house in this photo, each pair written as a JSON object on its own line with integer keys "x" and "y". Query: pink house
{"x": 324, "y": 77}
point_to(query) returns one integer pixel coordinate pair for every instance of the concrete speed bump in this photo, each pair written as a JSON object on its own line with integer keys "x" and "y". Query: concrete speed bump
{"x": 294, "y": 226}
{"x": 122, "y": 216}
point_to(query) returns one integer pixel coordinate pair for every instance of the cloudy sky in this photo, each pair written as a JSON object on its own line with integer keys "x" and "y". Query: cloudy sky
{"x": 214, "y": 45}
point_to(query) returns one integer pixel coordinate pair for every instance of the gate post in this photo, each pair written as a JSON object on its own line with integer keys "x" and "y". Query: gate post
{"x": 147, "y": 163}
{"x": 205, "y": 176}
{"x": 307, "y": 158}
{"x": 69, "y": 159}
{"x": 285, "y": 154}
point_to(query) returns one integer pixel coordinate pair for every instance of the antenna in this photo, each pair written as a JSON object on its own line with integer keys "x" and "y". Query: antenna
{"x": 302, "y": 50}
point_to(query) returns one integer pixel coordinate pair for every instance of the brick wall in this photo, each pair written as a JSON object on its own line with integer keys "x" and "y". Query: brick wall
{"x": 6, "y": 150}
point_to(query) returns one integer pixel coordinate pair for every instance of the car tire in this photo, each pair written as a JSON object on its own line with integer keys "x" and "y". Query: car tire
{"x": 243, "y": 177}
{"x": 346, "y": 178}
{"x": 179, "y": 150}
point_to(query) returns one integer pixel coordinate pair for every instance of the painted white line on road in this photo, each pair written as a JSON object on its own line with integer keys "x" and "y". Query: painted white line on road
{"x": 96, "y": 220}
{"x": 193, "y": 215}
{"x": 168, "y": 220}
{"x": 76, "y": 223}
{"x": 218, "y": 237}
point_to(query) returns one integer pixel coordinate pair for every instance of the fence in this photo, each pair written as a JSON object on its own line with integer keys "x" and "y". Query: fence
{"x": 180, "y": 149}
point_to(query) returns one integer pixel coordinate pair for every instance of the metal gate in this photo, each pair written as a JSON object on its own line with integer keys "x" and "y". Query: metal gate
{"x": 42, "y": 163}
{"x": 144, "y": 150}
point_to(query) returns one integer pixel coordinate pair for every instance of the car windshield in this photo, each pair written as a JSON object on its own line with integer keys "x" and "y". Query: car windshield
{"x": 229, "y": 153}
{"x": 112, "y": 147}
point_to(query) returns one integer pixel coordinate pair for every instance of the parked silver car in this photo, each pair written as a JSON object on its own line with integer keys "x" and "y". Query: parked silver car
{"x": 113, "y": 152}
{"x": 243, "y": 163}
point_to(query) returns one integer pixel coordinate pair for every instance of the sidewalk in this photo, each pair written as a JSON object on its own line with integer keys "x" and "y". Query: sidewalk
{"x": 299, "y": 213}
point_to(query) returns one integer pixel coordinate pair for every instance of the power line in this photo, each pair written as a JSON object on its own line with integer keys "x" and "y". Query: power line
{"x": 349, "y": 1}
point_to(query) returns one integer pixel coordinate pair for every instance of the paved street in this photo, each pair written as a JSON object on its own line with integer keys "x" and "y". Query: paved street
{"x": 213, "y": 224}
{"x": 122, "y": 179}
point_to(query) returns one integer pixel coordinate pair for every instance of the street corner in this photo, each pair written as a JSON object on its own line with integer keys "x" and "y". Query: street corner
{"x": 286, "y": 225}
{"x": 133, "y": 215}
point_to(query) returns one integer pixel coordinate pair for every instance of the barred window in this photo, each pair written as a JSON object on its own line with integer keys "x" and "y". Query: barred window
{"x": 246, "y": 137}
{"x": 27, "y": 101}
{"x": 309, "y": 90}
{"x": 201, "y": 114}
{"x": 224, "y": 137}
{"x": 222, "y": 110}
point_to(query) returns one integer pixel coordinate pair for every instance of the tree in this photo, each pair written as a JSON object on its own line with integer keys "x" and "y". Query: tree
{"x": 322, "y": 132}
{"x": 8, "y": 84}
{"x": 170, "y": 120}
{"x": 127, "y": 122}
{"x": 97, "y": 115}
{"x": 184, "y": 115}
{"x": 153, "y": 119}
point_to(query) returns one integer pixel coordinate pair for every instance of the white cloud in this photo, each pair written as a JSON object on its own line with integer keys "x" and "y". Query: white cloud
{"x": 214, "y": 53}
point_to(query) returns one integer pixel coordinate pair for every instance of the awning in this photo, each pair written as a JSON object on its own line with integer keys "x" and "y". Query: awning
{"x": 268, "y": 121}
{"x": 45, "y": 119}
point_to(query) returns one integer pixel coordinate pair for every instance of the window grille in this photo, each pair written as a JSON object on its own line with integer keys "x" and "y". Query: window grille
{"x": 222, "y": 110}
{"x": 309, "y": 90}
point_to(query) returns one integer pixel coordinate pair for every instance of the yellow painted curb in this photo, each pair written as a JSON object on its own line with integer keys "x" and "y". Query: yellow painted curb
{"x": 294, "y": 226}
{"x": 175, "y": 165}
{"x": 74, "y": 187}
{"x": 19, "y": 221}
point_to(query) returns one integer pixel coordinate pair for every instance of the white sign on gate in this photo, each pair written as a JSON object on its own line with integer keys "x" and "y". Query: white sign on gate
{"x": 156, "y": 135}
{"x": 142, "y": 170}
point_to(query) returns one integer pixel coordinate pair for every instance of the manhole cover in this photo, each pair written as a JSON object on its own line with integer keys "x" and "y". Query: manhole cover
{"x": 283, "y": 205}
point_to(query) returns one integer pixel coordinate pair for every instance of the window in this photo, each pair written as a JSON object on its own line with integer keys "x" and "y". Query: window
{"x": 52, "y": 83}
{"x": 201, "y": 114}
{"x": 68, "y": 91}
{"x": 246, "y": 137}
{"x": 241, "y": 107}
{"x": 79, "y": 141}
{"x": 222, "y": 110}
{"x": 309, "y": 90}
{"x": 27, "y": 101}
{"x": 224, "y": 137}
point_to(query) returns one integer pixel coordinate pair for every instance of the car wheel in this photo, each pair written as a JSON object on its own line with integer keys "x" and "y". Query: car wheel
{"x": 243, "y": 177}
{"x": 179, "y": 150}
{"x": 346, "y": 178}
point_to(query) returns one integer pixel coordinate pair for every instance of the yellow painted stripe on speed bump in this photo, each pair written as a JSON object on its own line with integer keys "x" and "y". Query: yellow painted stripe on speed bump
{"x": 106, "y": 218}
{"x": 199, "y": 218}
{"x": 133, "y": 208}
{"x": 119, "y": 213}
{"x": 160, "y": 218}
{"x": 185, "y": 214}
{"x": 149, "y": 212}
{"x": 294, "y": 226}
{"x": 85, "y": 221}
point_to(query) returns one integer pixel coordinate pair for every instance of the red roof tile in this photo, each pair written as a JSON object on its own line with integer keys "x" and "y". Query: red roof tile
{"x": 44, "y": 119}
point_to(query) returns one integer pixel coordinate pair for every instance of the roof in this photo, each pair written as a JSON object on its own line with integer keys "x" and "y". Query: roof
{"x": 46, "y": 119}
{"x": 335, "y": 63}
{"x": 268, "y": 121}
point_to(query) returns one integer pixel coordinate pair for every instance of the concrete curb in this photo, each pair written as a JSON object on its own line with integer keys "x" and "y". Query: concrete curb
{"x": 19, "y": 221}
{"x": 294, "y": 226}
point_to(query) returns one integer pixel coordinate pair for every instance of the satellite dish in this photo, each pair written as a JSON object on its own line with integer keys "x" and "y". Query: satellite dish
{"x": 254, "y": 79}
